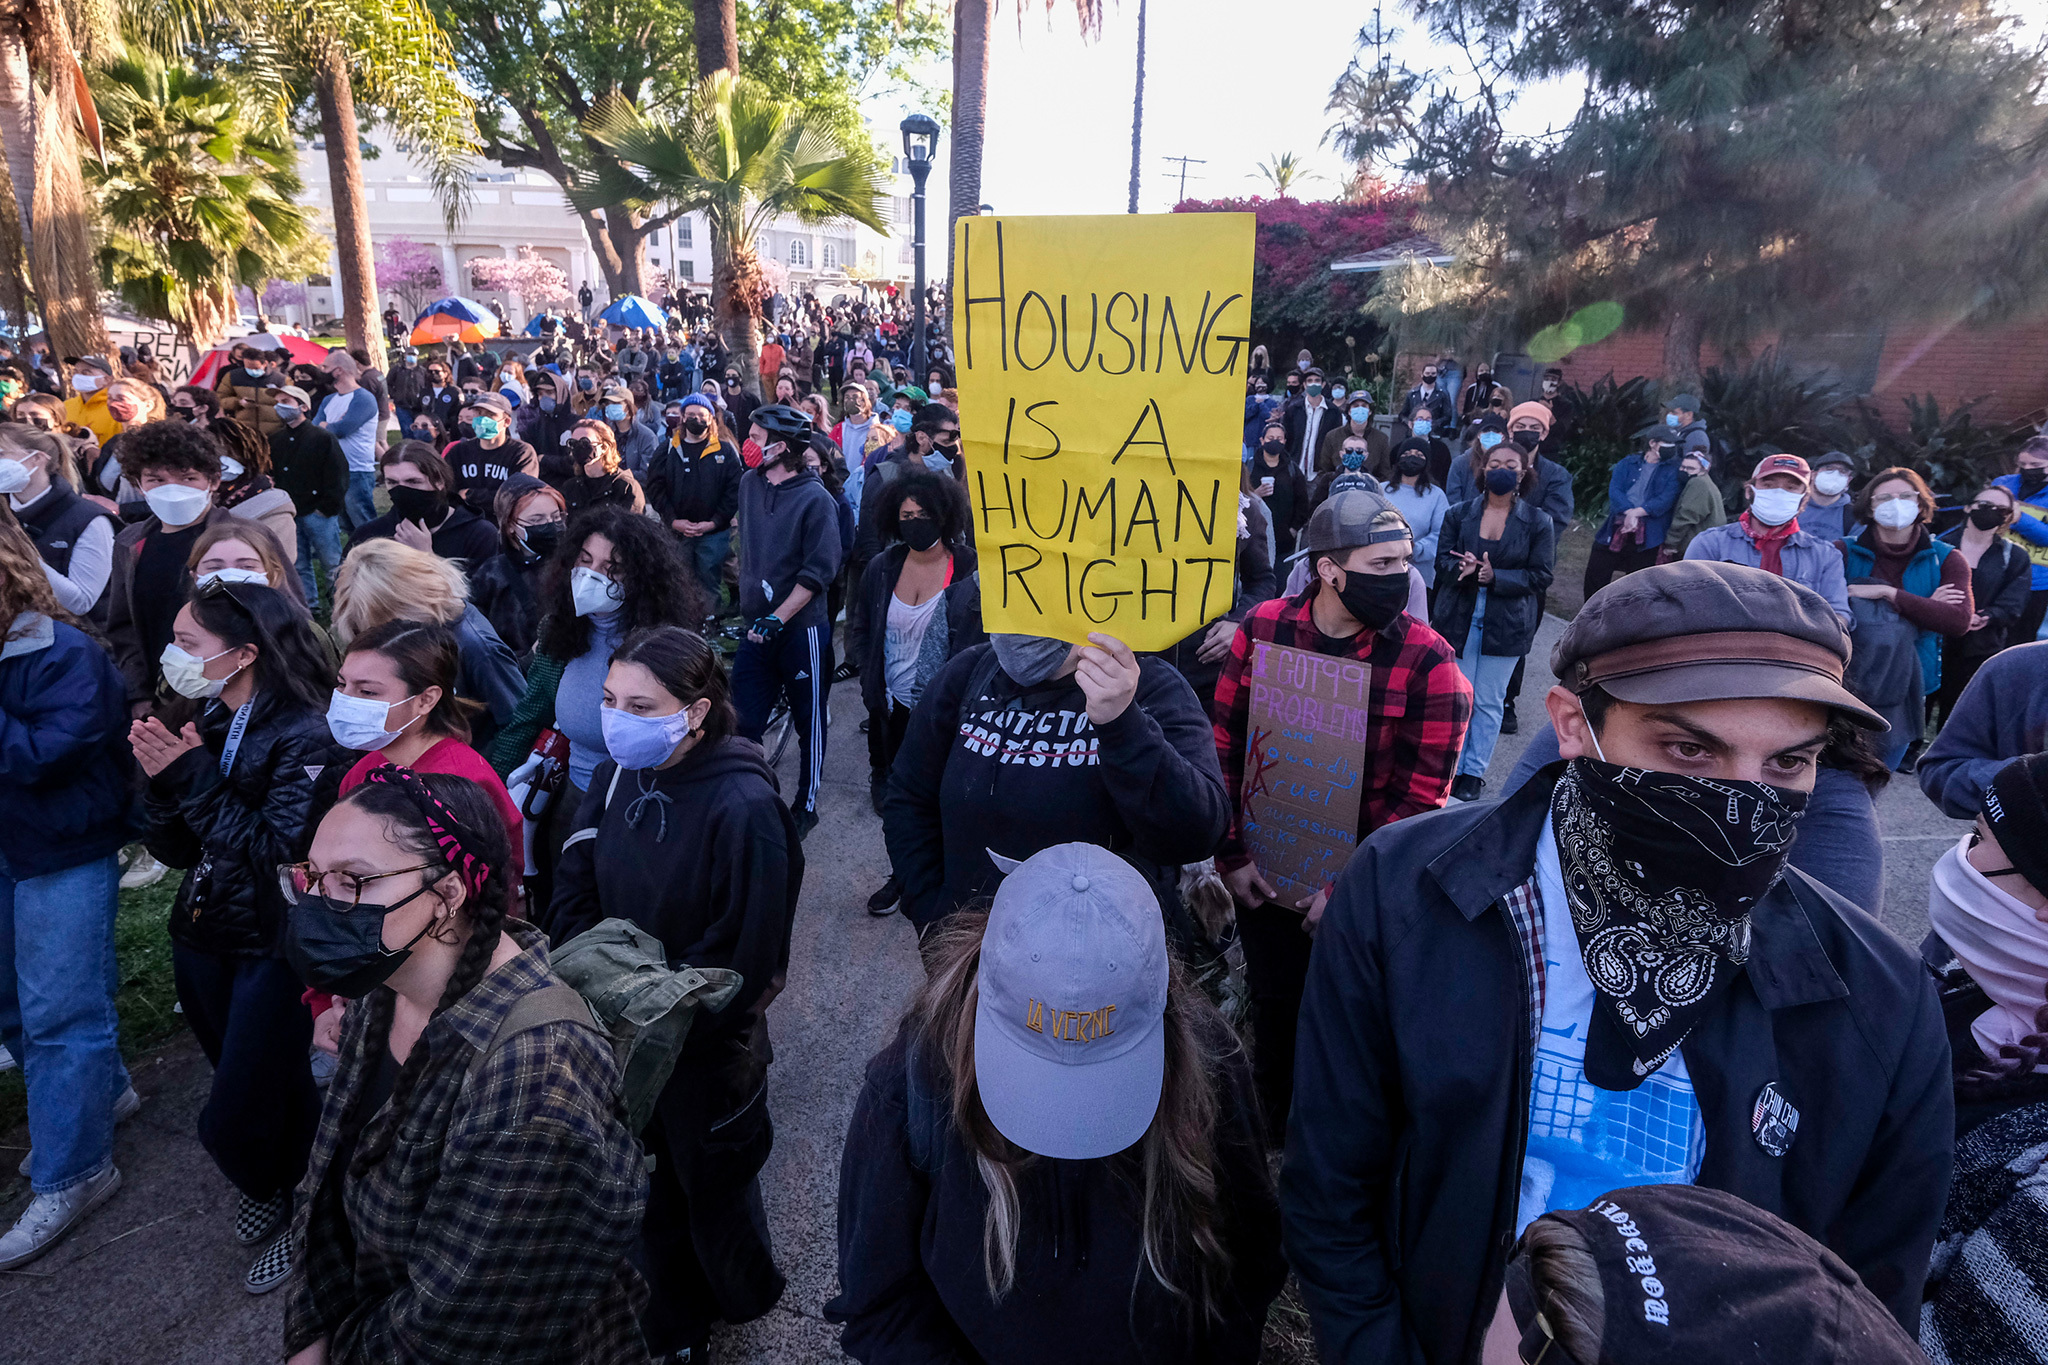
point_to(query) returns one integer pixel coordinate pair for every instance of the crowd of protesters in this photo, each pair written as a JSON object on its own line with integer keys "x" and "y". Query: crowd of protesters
{"x": 446, "y": 694}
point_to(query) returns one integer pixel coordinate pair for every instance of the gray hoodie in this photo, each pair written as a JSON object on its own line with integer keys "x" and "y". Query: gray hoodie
{"x": 789, "y": 535}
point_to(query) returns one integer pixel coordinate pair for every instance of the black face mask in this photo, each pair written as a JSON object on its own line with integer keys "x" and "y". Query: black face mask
{"x": 672, "y": 420}
{"x": 542, "y": 539}
{"x": 919, "y": 533}
{"x": 1662, "y": 871}
{"x": 581, "y": 449}
{"x": 1414, "y": 462}
{"x": 1274, "y": 447}
{"x": 1987, "y": 517}
{"x": 1374, "y": 599}
{"x": 2032, "y": 481}
{"x": 465, "y": 431}
{"x": 696, "y": 427}
{"x": 340, "y": 950}
{"x": 425, "y": 505}
{"x": 1526, "y": 439}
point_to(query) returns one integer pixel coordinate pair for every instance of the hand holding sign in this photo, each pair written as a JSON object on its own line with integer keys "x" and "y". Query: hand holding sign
{"x": 1108, "y": 676}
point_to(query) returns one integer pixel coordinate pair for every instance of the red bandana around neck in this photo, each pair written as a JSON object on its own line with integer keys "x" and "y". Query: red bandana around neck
{"x": 1770, "y": 541}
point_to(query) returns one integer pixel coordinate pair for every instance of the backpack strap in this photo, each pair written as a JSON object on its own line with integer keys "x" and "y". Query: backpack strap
{"x": 554, "y": 1003}
{"x": 582, "y": 834}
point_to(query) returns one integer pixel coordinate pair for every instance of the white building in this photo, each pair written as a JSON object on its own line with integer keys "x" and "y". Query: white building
{"x": 515, "y": 208}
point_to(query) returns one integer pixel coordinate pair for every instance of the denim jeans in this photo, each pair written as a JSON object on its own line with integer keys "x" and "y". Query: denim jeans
{"x": 360, "y": 503}
{"x": 57, "y": 980}
{"x": 707, "y": 555}
{"x": 319, "y": 535}
{"x": 1489, "y": 675}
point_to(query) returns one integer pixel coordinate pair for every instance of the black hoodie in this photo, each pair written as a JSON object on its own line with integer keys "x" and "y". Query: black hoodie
{"x": 703, "y": 856}
{"x": 987, "y": 765}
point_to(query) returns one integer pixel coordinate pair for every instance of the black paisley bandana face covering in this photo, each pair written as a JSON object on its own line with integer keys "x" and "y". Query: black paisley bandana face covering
{"x": 1661, "y": 871}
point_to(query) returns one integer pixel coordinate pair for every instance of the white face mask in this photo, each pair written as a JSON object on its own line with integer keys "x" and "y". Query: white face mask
{"x": 177, "y": 505}
{"x": 186, "y": 674}
{"x": 358, "y": 722}
{"x": 255, "y": 576}
{"x": 84, "y": 383}
{"x": 14, "y": 476}
{"x": 593, "y": 593}
{"x": 1896, "y": 514}
{"x": 1775, "y": 506}
{"x": 231, "y": 468}
{"x": 1829, "y": 483}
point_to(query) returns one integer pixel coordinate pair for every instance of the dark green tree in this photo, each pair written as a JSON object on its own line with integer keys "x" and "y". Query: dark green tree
{"x": 547, "y": 70}
{"x": 1732, "y": 166}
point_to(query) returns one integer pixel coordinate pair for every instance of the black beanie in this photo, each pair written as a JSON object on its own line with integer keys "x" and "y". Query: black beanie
{"x": 2016, "y": 808}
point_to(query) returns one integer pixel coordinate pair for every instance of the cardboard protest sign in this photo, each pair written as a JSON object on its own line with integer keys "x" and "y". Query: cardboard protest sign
{"x": 1304, "y": 761}
{"x": 1100, "y": 363}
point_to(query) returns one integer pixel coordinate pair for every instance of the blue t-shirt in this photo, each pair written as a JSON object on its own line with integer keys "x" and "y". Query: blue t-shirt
{"x": 1585, "y": 1141}
{"x": 579, "y": 699}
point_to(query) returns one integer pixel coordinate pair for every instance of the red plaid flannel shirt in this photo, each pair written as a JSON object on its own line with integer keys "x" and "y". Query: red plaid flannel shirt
{"x": 1419, "y": 709}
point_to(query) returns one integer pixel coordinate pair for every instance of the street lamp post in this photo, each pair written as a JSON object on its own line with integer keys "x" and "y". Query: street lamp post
{"x": 920, "y": 144}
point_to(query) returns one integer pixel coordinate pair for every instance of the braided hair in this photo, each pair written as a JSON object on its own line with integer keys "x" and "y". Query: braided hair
{"x": 434, "y": 815}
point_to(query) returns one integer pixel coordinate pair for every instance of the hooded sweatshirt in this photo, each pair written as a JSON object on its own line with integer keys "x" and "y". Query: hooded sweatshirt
{"x": 988, "y": 766}
{"x": 789, "y": 536}
{"x": 703, "y": 856}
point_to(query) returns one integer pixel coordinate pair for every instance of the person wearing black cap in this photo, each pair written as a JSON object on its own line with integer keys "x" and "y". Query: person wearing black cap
{"x": 1353, "y": 606}
{"x": 1610, "y": 978}
{"x": 1988, "y": 905}
{"x": 485, "y": 460}
{"x": 1676, "y": 1274}
{"x": 789, "y": 555}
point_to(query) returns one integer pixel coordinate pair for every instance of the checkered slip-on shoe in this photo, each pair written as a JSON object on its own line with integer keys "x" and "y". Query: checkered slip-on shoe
{"x": 257, "y": 1220}
{"x": 273, "y": 1267}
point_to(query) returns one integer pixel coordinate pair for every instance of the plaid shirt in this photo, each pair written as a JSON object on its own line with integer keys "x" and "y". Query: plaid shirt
{"x": 496, "y": 1226}
{"x": 1418, "y": 710}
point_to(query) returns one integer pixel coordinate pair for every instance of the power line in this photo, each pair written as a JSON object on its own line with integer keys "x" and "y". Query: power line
{"x": 1185, "y": 162}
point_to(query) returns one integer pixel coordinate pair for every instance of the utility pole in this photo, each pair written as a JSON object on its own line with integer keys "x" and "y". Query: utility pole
{"x": 1185, "y": 162}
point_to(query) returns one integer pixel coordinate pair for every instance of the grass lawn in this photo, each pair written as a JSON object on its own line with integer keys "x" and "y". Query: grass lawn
{"x": 142, "y": 946}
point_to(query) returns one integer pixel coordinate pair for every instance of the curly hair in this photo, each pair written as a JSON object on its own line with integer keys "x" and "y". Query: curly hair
{"x": 169, "y": 445}
{"x": 243, "y": 443}
{"x": 941, "y": 498}
{"x": 660, "y": 588}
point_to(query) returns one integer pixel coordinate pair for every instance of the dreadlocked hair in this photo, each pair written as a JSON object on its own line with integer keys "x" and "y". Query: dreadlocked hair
{"x": 1175, "y": 1163}
{"x": 479, "y": 832}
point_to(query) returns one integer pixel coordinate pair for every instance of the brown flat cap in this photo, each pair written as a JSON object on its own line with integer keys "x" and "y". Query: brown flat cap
{"x": 1696, "y": 630}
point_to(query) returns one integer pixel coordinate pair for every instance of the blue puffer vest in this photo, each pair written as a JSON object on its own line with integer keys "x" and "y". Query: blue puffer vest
{"x": 1922, "y": 577}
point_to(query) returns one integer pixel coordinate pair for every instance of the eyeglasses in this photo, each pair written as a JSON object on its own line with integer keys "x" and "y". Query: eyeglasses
{"x": 298, "y": 880}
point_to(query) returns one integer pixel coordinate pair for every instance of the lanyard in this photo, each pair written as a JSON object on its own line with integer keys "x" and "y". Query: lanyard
{"x": 227, "y": 753}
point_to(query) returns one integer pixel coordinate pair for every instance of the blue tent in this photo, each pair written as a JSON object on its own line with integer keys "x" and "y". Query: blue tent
{"x": 532, "y": 327}
{"x": 631, "y": 310}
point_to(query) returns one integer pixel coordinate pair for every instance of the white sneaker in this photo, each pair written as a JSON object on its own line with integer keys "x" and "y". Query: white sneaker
{"x": 124, "y": 1110}
{"x": 49, "y": 1216}
{"x": 144, "y": 871}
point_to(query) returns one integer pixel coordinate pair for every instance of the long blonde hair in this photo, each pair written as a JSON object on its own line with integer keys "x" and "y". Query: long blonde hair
{"x": 1182, "y": 1215}
{"x": 382, "y": 580}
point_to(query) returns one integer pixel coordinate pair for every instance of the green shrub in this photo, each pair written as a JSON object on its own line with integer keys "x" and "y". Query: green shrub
{"x": 1605, "y": 418}
{"x": 1951, "y": 451}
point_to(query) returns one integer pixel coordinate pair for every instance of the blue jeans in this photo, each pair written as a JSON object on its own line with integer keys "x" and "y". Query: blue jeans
{"x": 57, "y": 981}
{"x": 1489, "y": 675}
{"x": 319, "y": 535}
{"x": 707, "y": 555}
{"x": 359, "y": 504}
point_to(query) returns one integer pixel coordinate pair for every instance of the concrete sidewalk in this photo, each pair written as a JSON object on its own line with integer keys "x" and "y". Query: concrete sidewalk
{"x": 156, "y": 1273}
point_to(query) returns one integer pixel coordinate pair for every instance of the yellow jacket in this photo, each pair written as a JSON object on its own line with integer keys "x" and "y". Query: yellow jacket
{"x": 91, "y": 411}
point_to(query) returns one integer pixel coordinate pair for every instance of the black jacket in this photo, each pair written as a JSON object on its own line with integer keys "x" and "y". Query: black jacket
{"x": 1257, "y": 581}
{"x": 912, "y": 1206}
{"x": 867, "y": 617}
{"x": 464, "y": 536}
{"x": 1414, "y": 1052}
{"x": 307, "y": 462}
{"x": 1295, "y": 418}
{"x": 1999, "y": 586}
{"x": 1289, "y": 504}
{"x": 441, "y": 404}
{"x": 234, "y": 832}
{"x": 1521, "y": 574}
{"x": 696, "y": 485}
{"x": 506, "y": 589}
{"x": 987, "y": 765}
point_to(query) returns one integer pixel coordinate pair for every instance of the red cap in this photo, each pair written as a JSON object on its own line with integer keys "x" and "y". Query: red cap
{"x": 1782, "y": 464}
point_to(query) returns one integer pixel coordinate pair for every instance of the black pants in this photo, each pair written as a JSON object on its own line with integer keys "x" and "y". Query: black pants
{"x": 553, "y": 825}
{"x": 259, "y": 1119}
{"x": 1956, "y": 671}
{"x": 2030, "y": 620}
{"x": 1276, "y": 950}
{"x": 704, "y": 1243}
{"x": 1605, "y": 562}
{"x": 885, "y": 737}
{"x": 795, "y": 664}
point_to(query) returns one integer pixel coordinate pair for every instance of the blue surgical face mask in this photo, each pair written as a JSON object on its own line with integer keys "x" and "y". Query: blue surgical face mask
{"x": 1489, "y": 439}
{"x": 938, "y": 464}
{"x": 615, "y": 412}
{"x": 901, "y": 420}
{"x": 1671, "y": 420}
{"x": 1420, "y": 426}
{"x": 1360, "y": 414}
{"x": 642, "y": 741}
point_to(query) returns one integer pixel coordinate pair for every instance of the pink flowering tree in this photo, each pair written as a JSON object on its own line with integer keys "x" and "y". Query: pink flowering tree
{"x": 411, "y": 270}
{"x": 535, "y": 278}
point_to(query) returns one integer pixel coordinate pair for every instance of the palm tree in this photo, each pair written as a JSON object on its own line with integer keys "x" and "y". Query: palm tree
{"x": 742, "y": 157}
{"x": 1138, "y": 110}
{"x": 197, "y": 193}
{"x": 47, "y": 126}
{"x": 1282, "y": 170}
{"x": 971, "y": 19}
{"x": 718, "y": 37}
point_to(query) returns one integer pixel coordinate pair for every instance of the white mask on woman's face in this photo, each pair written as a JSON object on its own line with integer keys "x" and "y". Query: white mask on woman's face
{"x": 1896, "y": 514}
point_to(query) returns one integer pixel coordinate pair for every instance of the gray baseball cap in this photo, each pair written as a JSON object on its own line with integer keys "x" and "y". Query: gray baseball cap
{"x": 1069, "y": 1029}
{"x": 1354, "y": 517}
{"x": 1701, "y": 630}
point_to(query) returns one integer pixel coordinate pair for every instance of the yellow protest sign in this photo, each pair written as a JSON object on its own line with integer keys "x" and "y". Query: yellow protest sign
{"x": 1100, "y": 363}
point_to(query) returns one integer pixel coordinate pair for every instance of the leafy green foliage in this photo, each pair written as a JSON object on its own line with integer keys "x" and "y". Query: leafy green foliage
{"x": 1605, "y": 419}
{"x": 1766, "y": 406}
{"x": 198, "y": 192}
{"x": 1949, "y": 449}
